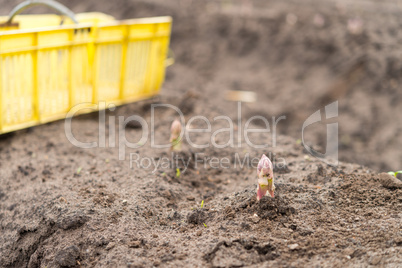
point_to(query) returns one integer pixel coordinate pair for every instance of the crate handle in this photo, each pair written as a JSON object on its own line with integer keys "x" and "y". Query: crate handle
{"x": 49, "y": 3}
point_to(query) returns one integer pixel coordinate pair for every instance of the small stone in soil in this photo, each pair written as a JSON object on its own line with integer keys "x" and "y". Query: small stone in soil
{"x": 255, "y": 218}
{"x": 110, "y": 246}
{"x": 293, "y": 246}
{"x": 375, "y": 260}
{"x": 190, "y": 198}
{"x": 72, "y": 221}
{"x": 134, "y": 244}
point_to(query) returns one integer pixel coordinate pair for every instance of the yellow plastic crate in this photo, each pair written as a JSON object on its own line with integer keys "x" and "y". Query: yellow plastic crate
{"x": 46, "y": 68}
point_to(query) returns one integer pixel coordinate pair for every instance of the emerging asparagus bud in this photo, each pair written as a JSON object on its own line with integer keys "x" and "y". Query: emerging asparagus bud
{"x": 265, "y": 178}
{"x": 175, "y": 139}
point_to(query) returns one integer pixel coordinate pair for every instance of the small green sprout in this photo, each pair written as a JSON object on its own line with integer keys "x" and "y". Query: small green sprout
{"x": 392, "y": 173}
{"x": 205, "y": 225}
{"x": 175, "y": 136}
{"x": 177, "y": 172}
{"x": 79, "y": 170}
{"x": 202, "y": 203}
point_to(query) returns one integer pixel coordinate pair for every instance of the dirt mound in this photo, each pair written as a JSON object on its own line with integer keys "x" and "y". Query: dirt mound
{"x": 270, "y": 208}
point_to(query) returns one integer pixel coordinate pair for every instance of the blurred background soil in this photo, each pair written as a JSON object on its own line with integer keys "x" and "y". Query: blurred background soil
{"x": 61, "y": 206}
{"x": 298, "y": 56}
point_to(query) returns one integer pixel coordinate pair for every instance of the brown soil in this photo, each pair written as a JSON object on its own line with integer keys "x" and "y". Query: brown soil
{"x": 62, "y": 206}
